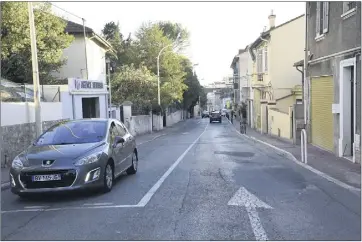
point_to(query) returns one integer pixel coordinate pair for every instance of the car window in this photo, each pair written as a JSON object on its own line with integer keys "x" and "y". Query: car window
{"x": 73, "y": 133}
{"x": 122, "y": 132}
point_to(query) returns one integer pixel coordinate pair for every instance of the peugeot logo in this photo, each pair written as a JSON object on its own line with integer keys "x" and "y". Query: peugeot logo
{"x": 48, "y": 162}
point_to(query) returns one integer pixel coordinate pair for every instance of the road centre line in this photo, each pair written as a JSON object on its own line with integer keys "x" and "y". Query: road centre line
{"x": 68, "y": 208}
{"x": 158, "y": 136}
{"x": 147, "y": 197}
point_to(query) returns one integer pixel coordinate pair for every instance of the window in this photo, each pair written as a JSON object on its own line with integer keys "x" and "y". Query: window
{"x": 259, "y": 61}
{"x": 121, "y": 131}
{"x": 73, "y": 133}
{"x": 322, "y": 18}
{"x": 265, "y": 59}
{"x": 349, "y": 6}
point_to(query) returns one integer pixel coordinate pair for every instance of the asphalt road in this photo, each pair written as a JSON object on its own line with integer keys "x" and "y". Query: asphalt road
{"x": 200, "y": 181}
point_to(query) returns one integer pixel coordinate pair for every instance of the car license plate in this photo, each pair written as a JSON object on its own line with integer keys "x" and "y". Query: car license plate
{"x": 40, "y": 178}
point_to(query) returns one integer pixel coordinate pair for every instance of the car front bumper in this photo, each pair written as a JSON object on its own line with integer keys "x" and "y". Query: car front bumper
{"x": 21, "y": 184}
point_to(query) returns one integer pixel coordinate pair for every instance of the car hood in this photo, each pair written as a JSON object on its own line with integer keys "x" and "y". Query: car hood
{"x": 65, "y": 153}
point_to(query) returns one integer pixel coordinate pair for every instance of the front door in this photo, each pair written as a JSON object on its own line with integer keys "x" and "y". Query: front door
{"x": 126, "y": 147}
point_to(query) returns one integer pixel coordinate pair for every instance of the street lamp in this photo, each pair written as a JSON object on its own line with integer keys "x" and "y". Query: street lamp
{"x": 158, "y": 68}
{"x": 108, "y": 63}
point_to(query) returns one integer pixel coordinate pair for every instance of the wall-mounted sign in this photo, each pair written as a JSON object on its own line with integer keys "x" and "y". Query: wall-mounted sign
{"x": 76, "y": 84}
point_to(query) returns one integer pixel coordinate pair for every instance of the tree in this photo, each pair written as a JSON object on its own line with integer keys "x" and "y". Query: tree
{"x": 150, "y": 40}
{"x": 123, "y": 47}
{"x": 51, "y": 39}
{"x": 137, "y": 85}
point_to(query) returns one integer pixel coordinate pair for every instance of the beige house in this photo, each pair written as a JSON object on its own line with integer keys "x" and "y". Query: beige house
{"x": 276, "y": 84}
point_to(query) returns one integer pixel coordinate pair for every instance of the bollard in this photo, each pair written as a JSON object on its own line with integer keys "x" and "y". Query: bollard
{"x": 303, "y": 146}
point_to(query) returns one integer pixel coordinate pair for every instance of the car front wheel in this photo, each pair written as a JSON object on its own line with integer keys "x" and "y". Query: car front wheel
{"x": 108, "y": 178}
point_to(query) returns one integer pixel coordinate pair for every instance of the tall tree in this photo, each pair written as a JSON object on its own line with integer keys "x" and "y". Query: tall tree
{"x": 15, "y": 40}
{"x": 150, "y": 40}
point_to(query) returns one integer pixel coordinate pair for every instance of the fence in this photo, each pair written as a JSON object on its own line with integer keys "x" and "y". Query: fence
{"x": 25, "y": 93}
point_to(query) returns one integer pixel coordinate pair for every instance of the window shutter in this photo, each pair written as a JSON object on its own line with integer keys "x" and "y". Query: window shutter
{"x": 261, "y": 60}
{"x": 318, "y": 18}
{"x": 266, "y": 59}
{"x": 325, "y": 16}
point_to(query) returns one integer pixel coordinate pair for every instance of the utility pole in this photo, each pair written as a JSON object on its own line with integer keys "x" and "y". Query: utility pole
{"x": 108, "y": 62}
{"x": 34, "y": 57}
{"x": 85, "y": 48}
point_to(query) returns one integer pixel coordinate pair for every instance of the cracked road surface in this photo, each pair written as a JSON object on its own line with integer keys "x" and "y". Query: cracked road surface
{"x": 186, "y": 179}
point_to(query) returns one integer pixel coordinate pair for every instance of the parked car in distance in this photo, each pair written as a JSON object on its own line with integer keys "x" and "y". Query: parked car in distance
{"x": 215, "y": 116}
{"x": 205, "y": 114}
{"x": 223, "y": 112}
{"x": 72, "y": 155}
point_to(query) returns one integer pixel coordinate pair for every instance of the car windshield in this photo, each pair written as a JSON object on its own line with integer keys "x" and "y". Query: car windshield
{"x": 74, "y": 133}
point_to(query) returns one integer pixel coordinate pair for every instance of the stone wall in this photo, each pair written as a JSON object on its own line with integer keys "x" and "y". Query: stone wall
{"x": 16, "y": 138}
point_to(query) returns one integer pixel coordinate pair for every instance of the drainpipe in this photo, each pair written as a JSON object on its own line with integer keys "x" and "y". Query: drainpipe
{"x": 301, "y": 71}
{"x": 306, "y": 85}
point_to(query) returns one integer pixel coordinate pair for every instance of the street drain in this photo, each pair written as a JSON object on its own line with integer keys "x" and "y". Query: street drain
{"x": 235, "y": 153}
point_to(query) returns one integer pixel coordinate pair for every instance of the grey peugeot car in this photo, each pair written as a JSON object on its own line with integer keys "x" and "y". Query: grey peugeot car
{"x": 72, "y": 155}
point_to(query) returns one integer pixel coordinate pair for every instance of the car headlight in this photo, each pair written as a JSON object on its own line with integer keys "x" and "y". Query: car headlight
{"x": 89, "y": 159}
{"x": 17, "y": 163}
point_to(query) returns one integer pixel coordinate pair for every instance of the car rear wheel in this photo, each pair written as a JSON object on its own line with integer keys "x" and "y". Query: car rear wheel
{"x": 133, "y": 169}
{"x": 108, "y": 178}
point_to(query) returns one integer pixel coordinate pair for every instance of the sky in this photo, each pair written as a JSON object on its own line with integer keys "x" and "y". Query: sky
{"x": 217, "y": 29}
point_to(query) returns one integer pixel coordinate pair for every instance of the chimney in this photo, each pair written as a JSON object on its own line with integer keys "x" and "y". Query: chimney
{"x": 271, "y": 20}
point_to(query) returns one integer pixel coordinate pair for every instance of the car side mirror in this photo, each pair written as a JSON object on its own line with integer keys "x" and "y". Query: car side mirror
{"x": 118, "y": 140}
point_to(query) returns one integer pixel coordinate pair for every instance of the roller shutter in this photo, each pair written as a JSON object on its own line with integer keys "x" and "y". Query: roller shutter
{"x": 322, "y": 90}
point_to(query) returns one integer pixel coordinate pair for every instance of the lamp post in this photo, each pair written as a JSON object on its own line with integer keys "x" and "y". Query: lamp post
{"x": 108, "y": 63}
{"x": 158, "y": 68}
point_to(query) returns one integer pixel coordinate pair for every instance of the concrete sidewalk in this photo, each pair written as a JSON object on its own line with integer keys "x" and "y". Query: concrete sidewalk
{"x": 338, "y": 168}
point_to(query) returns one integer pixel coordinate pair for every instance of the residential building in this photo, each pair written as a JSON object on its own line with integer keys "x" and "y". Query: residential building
{"x": 334, "y": 77}
{"x": 242, "y": 66}
{"x": 85, "y": 72}
{"x": 275, "y": 83}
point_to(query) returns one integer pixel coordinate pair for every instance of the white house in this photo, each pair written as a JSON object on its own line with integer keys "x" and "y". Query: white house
{"x": 86, "y": 72}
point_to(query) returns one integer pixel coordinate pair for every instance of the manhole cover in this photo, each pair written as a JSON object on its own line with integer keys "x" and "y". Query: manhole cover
{"x": 234, "y": 153}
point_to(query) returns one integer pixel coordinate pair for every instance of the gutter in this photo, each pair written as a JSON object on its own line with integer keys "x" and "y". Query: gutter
{"x": 334, "y": 55}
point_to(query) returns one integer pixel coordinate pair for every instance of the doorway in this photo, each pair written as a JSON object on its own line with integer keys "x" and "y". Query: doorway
{"x": 347, "y": 99}
{"x": 90, "y": 107}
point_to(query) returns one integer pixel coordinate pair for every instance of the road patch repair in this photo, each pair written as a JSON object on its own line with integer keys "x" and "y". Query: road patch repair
{"x": 290, "y": 156}
{"x": 142, "y": 203}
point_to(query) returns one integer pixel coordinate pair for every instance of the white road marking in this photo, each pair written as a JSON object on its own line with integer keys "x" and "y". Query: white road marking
{"x": 158, "y": 136}
{"x": 97, "y": 204}
{"x": 68, "y": 208}
{"x": 308, "y": 167}
{"x": 34, "y": 207}
{"x": 185, "y": 133}
{"x": 246, "y": 199}
{"x": 147, "y": 197}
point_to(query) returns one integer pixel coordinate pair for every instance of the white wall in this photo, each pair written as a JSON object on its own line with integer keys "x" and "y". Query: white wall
{"x": 157, "y": 122}
{"x": 141, "y": 124}
{"x": 67, "y": 102}
{"x": 20, "y": 113}
{"x": 173, "y": 118}
{"x": 76, "y": 64}
{"x": 286, "y": 47}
